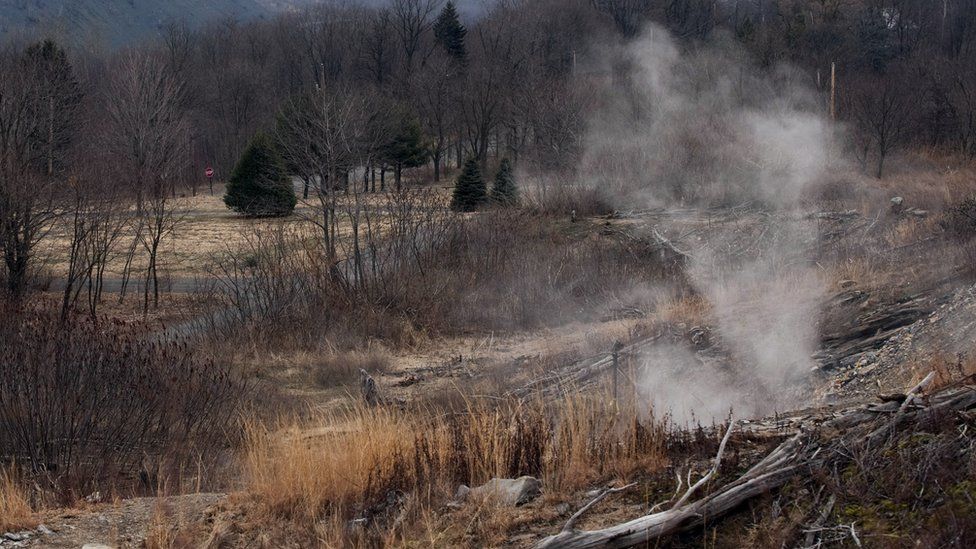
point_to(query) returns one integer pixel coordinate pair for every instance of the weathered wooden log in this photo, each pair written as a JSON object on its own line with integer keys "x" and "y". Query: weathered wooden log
{"x": 817, "y": 444}
{"x": 580, "y": 372}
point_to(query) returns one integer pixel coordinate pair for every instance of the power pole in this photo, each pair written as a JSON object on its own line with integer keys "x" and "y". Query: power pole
{"x": 617, "y": 346}
{"x": 833, "y": 91}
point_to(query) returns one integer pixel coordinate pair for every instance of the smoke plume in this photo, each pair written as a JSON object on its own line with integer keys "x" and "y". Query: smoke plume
{"x": 703, "y": 127}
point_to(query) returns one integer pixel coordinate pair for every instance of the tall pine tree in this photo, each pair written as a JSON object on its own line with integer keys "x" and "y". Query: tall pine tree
{"x": 504, "y": 190}
{"x": 450, "y": 33}
{"x": 57, "y": 103}
{"x": 469, "y": 189}
{"x": 406, "y": 147}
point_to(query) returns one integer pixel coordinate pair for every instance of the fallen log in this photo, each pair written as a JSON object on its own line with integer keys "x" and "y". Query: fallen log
{"x": 578, "y": 373}
{"x": 817, "y": 444}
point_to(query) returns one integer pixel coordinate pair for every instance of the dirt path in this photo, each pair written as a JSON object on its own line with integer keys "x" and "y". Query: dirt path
{"x": 122, "y": 525}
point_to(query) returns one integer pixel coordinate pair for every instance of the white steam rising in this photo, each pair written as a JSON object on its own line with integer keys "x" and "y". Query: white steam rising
{"x": 705, "y": 128}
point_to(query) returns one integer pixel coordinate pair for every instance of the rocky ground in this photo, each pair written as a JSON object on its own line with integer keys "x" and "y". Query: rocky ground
{"x": 944, "y": 337}
{"x": 125, "y": 524}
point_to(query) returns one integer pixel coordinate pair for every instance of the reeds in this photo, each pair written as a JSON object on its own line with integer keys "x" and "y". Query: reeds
{"x": 343, "y": 464}
{"x": 15, "y": 508}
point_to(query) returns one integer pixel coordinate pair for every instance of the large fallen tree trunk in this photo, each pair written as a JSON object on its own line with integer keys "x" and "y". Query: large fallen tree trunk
{"x": 818, "y": 443}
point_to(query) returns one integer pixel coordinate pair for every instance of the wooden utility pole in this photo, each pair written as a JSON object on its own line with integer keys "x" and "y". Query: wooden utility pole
{"x": 617, "y": 346}
{"x": 833, "y": 91}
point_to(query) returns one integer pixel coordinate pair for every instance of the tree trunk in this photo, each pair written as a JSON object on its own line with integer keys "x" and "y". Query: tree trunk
{"x": 16, "y": 274}
{"x": 437, "y": 164}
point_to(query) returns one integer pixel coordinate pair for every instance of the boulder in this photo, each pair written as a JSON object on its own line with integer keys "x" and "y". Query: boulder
{"x": 897, "y": 204}
{"x": 504, "y": 491}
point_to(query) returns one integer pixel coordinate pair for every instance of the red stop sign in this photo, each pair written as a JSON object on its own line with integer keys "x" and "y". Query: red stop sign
{"x": 209, "y": 173}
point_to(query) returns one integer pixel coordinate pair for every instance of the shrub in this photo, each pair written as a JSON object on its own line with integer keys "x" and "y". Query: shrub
{"x": 469, "y": 189}
{"x": 343, "y": 368}
{"x": 85, "y": 406}
{"x": 15, "y": 508}
{"x": 504, "y": 190}
{"x": 259, "y": 185}
{"x": 960, "y": 220}
{"x": 421, "y": 269}
{"x": 559, "y": 195}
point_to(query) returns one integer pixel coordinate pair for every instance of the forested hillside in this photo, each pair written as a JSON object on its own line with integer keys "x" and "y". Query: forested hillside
{"x": 117, "y": 22}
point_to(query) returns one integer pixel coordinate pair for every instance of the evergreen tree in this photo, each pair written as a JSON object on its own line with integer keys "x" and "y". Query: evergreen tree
{"x": 56, "y": 104}
{"x": 469, "y": 189}
{"x": 504, "y": 190}
{"x": 450, "y": 33}
{"x": 260, "y": 185}
{"x": 406, "y": 147}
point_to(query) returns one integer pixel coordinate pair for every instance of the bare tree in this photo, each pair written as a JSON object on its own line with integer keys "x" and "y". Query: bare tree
{"x": 627, "y": 15}
{"x": 499, "y": 60}
{"x": 148, "y": 135}
{"x": 324, "y": 135}
{"x": 412, "y": 20}
{"x": 437, "y": 99}
{"x": 36, "y": 118}
{"x": 884, "y": 114}
{"x": 376, "y": 47}
{"x": 95, "y": 219}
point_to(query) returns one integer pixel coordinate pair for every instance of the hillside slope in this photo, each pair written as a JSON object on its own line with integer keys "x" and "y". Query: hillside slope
{"x": 118, "y": 22}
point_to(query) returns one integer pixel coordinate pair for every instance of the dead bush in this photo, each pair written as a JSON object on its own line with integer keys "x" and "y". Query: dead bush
{"x": 413, "y": 268}
{"x": 343, "y": 368}
{"x": 915, "y": 490}
{"x": 88, "y": 406}
{"x": 515, "y": 270}
{"x": 959, "y": 221}
{"x": 563, "y": 196}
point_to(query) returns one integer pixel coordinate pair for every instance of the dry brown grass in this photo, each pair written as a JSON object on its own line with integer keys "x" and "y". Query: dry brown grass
{"x": 350, "y": 463}
{"x": 928, "y": 189}
{"x": 343, "y": 368}
{"x": 161, "y": 533}
{"x": 15, "y": 508}
{"x": 692, "y": 310}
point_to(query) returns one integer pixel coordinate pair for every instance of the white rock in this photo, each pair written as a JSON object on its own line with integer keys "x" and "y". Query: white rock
{"x": 506, "y": 491}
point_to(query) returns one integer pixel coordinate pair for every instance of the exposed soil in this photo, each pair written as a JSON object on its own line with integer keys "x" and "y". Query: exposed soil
{"x": 125, "y": 524}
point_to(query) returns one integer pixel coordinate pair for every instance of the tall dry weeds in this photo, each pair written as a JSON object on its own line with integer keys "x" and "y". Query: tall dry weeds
{"x": 15, "y": 507}
{"x": 389, "y": 467}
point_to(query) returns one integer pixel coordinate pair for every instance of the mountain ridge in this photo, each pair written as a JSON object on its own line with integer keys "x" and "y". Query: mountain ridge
{"x": 120, "y": 22}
